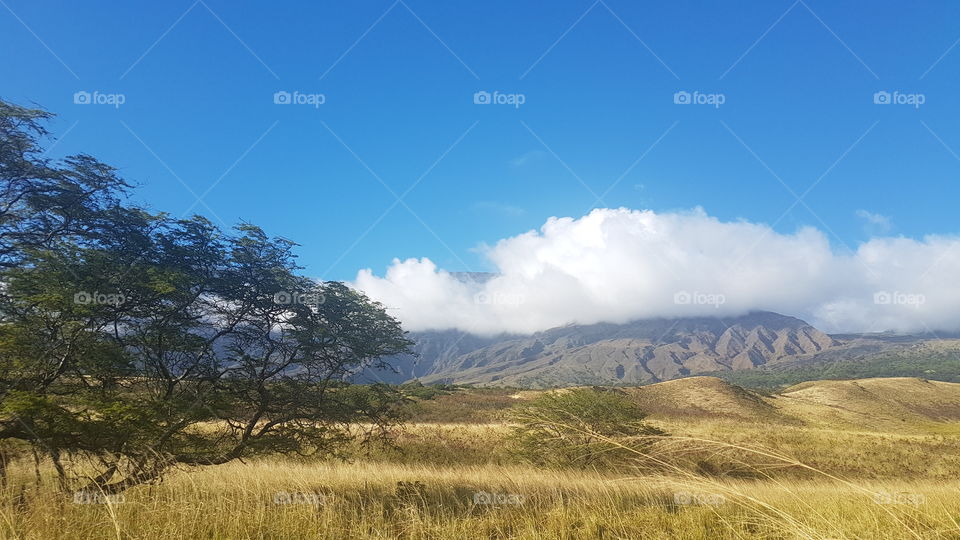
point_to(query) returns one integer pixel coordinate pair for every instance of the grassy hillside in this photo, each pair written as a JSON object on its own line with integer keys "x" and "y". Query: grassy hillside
{"x": 864, "y": 459}
{"x": 879, "y": 428}
{"x": 930, "y": 361}
{"x": 703, "y": 397}
{"x": 290, "y": 500}
{"x": 895, "y": 404}
{"x": 903, "y": 404}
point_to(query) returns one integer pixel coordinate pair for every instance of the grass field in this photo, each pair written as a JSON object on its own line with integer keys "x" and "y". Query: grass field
{"x": 283, "y": 499}
{"x": 712, "y": 477}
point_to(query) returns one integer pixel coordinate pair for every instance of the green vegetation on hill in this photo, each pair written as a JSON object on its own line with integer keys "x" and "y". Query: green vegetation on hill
{"x": 935, "y": 365}
{"x": 458, "y": 405}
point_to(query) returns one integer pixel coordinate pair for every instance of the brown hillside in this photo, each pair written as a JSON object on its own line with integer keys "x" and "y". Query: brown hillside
{"x": 889, "y": 403}
{"x": 903, "y": 405}
{"x": 704, "y": 397}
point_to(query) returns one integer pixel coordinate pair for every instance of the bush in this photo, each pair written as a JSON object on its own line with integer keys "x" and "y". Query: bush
{"x": 418, "y": 390}
{"x": 582, "y": 427}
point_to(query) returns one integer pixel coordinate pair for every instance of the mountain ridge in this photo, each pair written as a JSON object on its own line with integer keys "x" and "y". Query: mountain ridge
{"x": 638, "y": 352}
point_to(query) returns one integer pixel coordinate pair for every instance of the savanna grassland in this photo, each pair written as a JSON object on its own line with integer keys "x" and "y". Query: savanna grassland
{"x": 883, "y": 464}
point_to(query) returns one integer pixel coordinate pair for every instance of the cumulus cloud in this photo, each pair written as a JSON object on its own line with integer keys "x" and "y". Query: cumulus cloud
{"x": 618, "y": 265}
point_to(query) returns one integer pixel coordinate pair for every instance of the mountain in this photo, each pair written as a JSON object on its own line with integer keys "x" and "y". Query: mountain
{"x": 634, "y": 353}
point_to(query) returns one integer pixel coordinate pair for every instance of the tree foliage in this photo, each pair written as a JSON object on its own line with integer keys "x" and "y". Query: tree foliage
{"x": 132, "y": 342}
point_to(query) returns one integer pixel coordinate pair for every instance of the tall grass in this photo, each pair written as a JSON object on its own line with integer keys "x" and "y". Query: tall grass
{"x": 377, "y": 499}
{"x": 856, "y": 454}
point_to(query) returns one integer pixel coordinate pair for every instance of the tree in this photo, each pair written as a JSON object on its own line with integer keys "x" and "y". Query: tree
{"x": 581, "y": 427}
{"x": 50, "y": 213}
{"x": 131, "y": 342}
{"x": 41, "y": 201}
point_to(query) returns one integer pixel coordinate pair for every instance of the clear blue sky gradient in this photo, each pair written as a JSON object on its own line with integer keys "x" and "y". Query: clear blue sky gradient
{"x": 599, "y": 116}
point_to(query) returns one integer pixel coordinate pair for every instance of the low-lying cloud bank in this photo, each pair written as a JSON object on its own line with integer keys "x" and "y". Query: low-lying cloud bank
{"x": 618, "y": 265}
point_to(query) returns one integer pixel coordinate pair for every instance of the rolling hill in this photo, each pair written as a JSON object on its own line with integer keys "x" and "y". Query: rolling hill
{"x": 902, "y": 405}
{"x": 876, "y": 403}
{"x": 704, "y": 397}
{"x": 896, "y": 404}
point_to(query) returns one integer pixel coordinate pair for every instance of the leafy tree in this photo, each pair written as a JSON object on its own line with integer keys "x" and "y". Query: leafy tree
{"x": 580, "y": 427}
{"x": 131, "y": 343}
{"x": 41, "y": 201}
{"x": 50, "y": 214}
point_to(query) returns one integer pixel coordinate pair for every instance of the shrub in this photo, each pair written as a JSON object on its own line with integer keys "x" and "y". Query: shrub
{"x": 582, "y": 427}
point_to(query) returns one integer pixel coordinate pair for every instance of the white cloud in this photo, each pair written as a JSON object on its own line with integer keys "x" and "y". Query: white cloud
{"x": 617, "y": 265}
{"x": 874, "y": 224}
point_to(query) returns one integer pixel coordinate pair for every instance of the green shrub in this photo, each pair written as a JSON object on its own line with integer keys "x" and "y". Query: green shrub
{"x": 582, "y": 427}
{"x": 418, "y": 390}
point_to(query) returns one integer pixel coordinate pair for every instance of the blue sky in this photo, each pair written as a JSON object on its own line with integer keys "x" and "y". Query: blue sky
{"x": 597, "y": 79}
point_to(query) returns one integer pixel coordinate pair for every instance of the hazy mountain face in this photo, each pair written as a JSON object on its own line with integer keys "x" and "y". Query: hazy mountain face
{"x": 633, "y": 353}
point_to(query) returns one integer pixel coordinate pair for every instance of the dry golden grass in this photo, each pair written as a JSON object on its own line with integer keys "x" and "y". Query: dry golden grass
{"x": 835, "y": 451}
{"x": 713, "y": 477}
{"x": 896, "y": 404}
{"x": 900, "y": 404}
{"x": 363, "y": 500}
